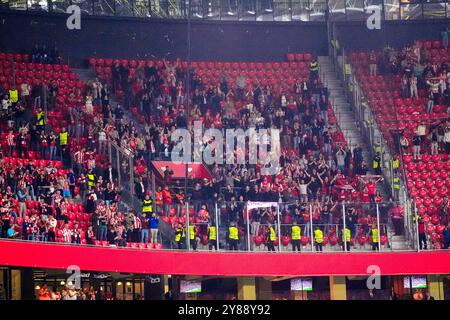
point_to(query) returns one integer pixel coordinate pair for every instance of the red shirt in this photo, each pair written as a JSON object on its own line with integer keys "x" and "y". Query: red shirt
{"x": 371, "y": 188}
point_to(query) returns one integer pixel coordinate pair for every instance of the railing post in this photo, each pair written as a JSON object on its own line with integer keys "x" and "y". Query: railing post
{"x": 311, "y": 227}
{"x": 217, "y": 225}
{"x": 248, "y": 228}
{"x": 279, "y": 227}
{"x": 344, "y": 227}
{"x": 118, "y": 165}
{"x": 187, "y": 233}
{"x": 378, "y": 227}
{"x": 416, "y": 226}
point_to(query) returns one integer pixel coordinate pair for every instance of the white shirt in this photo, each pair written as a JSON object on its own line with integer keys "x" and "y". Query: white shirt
{"x": 102, "y": 136}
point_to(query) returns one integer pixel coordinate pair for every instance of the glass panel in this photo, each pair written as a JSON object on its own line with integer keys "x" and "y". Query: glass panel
{"x": 391, "y": 9}
{"x": 282, "y": 11}
{"x": 85, "y": 6}
{"x": 300, "y": 10}
{"x": 104, "y": 7}
{"x": 233, "y": 214}
{"x": 177, "y": 8}
{"x": 264, "y": 10}
{"x": 355, "y": 9}
{"x": 229, "y": 9}
{"x": 212, "y": 9}
{"x": 38, "y": 5}
{"x": 141, "y": 8}
{"x": 337, "y": 9}
{"x": 4, "y": 4}
{"x": 197, "y": 9}
{"x": 369, "y": 5}
{"x": 434, "y": 10}
{"x": 410, "y": 11}
{"x": 124, "y": 8}
{"x": 60, "y": 5}
{"x": 318, "y": 10}
{"x": 247, "y": 10}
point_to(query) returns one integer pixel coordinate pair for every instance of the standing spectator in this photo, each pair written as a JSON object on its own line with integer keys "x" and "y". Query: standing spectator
{"x": 22, "y": 196}
{"x": 422, "y": 234}
{"x": 417, "y": 140}
{"x": 154, "y": 222}
{"x": 145, "y": 224}
{"x": 90, "y": 236}
{"x": 444, "y": 38}
{"x": 446, "y": 235}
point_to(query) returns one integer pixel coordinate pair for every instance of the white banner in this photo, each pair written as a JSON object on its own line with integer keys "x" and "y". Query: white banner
{"x": 257, "y": 204}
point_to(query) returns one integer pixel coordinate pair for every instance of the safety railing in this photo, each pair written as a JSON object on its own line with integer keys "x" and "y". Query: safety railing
{"x": 270, "y": 226}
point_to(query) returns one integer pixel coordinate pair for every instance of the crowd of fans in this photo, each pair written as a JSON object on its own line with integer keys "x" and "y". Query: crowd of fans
{"x": 421, "y": 75}
{"x": 317, "y": 168}
{"x": 316, "y": 165}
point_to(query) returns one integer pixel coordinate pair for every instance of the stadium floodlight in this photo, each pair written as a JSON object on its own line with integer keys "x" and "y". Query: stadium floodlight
{"x": 251, "y": 12}
{"x": 231, "y": 13}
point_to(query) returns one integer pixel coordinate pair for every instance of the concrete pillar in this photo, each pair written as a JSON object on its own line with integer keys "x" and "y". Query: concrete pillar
{"x": 16, "y": 287}
{"x": 263, "y": 289}
{"x": 246, "y": 288}
{"x": 338, "y": 289}
{"x": 436, "y": 286}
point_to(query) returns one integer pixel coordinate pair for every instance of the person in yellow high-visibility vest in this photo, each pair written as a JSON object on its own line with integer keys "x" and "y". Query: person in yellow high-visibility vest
{"x": 375, "y": 237}
{"x": 90, "y": 179}
{"x": 314, "y": 68}
{"x": 318, "y": 239}
{"x": 377, "y": 164}
{"x": 63, "y": 138}
{"x": 233, "y": 236}
{"x": 147, "y": 204}
{"x": 63, "y": 141}
{"x": 396, "y": 164}
{"x": 346, "y": 238}
{"x": 296, "y": 235}
{"x": 180, "y": 236}
{"x": 212, "y": 237}
{"x": 193, "y": 237}
{"x": 396, "y": 186}
{"x": 40, "y": 120}
{"x": 13, "y": 95}
{"x": 271, "y": 238}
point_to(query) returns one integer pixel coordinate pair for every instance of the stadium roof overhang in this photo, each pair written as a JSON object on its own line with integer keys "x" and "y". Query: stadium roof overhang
{"x": 147, "y": 261}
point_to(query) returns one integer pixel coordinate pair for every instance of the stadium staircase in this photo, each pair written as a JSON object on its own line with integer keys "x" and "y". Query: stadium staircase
{"x": 349, "y": 126}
